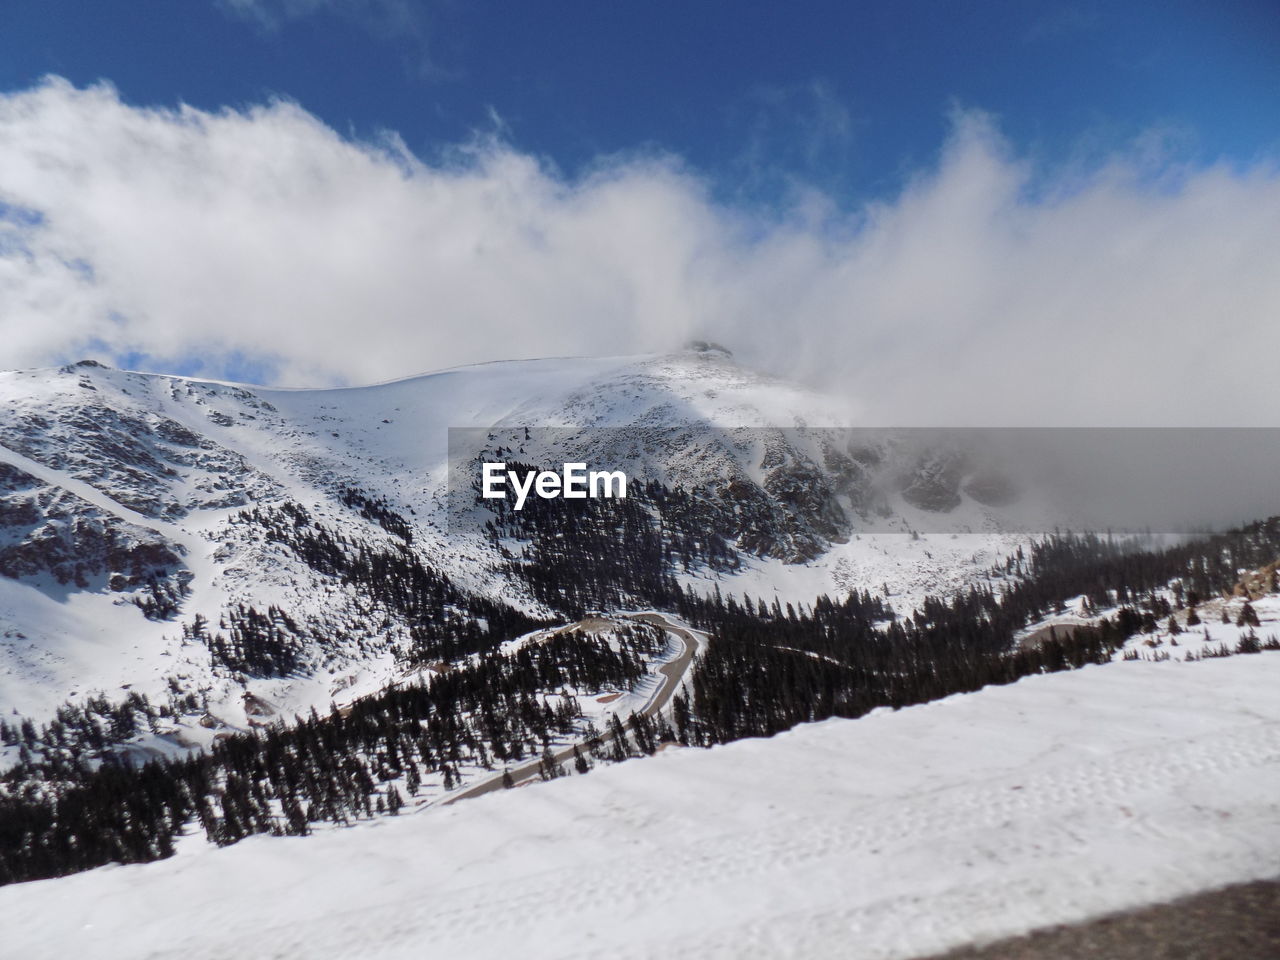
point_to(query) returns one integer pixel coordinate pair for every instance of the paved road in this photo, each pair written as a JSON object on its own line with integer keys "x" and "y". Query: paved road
{"x": 1054, "y": 631}
{"x": 672, "y": 674}
{"x": 1240, "y": 922}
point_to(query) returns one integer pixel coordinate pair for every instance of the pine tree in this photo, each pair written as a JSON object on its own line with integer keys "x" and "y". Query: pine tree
{"x": 412, "y": 779}
{"x": 548, "y": 767}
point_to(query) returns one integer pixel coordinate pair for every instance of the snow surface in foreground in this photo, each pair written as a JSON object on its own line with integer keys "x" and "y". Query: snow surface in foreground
{"x": 896, "y": 835}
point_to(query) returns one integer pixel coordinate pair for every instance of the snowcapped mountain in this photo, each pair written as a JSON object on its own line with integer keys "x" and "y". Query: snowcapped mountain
{"x": 237, "y": 614}
{"x": 141, "y": 516}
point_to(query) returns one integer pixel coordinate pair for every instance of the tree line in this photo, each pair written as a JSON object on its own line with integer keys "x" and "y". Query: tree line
{"x": 64, "y": 810}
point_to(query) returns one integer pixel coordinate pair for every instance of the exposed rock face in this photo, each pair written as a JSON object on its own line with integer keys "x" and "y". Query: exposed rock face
{"x": 934, "y": 483}
{"x": 44, "y": 529}
{"x": 138, "y": 456}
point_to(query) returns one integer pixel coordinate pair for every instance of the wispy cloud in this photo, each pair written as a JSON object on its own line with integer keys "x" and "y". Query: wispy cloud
{"x": 410, "y": 27}
{"x": 1064, "y": 19}
{"x": 388, "y": 17}
{"x": 793, "y": 135}
{"x": 1129, "y": 292}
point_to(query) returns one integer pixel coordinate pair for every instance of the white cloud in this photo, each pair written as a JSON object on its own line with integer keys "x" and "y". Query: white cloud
{"x": 1129, "y": 293}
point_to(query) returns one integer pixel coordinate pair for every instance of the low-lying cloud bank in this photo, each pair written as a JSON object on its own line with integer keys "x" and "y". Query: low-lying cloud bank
{"x": 1140, "y": 291}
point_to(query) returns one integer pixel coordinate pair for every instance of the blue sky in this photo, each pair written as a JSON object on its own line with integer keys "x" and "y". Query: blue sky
{"x": 847, "y": 96}
{"x": 929, "y": 206}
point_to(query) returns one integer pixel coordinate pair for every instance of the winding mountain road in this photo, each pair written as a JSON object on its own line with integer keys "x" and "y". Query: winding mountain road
{"x": 672, "y": 673}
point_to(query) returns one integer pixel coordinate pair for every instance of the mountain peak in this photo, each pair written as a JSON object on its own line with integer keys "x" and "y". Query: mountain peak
{"x": 707, "y": 346}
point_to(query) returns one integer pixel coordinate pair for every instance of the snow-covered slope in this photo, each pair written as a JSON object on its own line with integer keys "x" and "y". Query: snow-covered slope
{"x": 893, "y": 836}
{"x": 123, "y": 491}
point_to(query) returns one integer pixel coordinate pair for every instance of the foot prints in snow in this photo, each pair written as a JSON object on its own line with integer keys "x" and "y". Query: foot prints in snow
{"x": 892, "y": 836}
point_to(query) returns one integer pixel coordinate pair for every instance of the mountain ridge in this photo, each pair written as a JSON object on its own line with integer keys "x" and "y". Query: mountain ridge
{"x": 313, "y": 564}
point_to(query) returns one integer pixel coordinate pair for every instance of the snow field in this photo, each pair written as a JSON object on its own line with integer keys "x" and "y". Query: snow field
{"x": 893, "y": 836}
